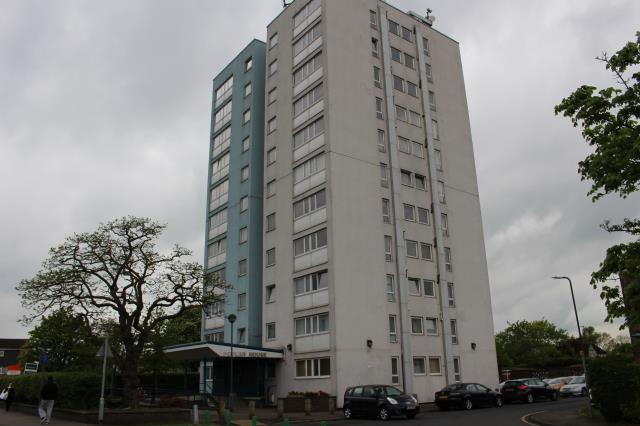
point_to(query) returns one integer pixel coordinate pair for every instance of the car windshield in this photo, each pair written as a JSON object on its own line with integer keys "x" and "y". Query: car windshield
{"x": 391, "y": 391}
{"x": 454, "y": 387}
{"x": 553, "y": 381}
{"x": 576, "y": 380}
{"x": 513, "y": 383}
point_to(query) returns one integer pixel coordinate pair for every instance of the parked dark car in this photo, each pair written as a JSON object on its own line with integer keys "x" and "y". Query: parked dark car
{"x": 382, "y": 401}
{"x": 527, "y": 390}
{"x": 467, "y": 396}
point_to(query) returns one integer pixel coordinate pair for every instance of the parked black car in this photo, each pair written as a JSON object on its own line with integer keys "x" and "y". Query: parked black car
{"x": 527, "y": 390}
{"x": 382, "y": 401}
{"x": 467, "y": 396}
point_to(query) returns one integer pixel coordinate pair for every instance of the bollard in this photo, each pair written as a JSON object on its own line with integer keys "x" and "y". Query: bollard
{"x": 307, "y": 406}
{"x": 286, "y": 422}
{"x": 229, "y": 418}
{"x": 332, "y": 406}
{"x": 323, "y": 423}
{"x": 222, "y": 412}
{"x": 254, "y": 421}
{"x": 280, "y": 409}
{"x": 196, "y": 415}
{"x": 252, "y": 409}
{"x": 207, "y": 417}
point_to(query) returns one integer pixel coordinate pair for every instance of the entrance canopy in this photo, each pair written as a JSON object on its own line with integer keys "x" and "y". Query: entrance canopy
{"x": 199, "y": 351}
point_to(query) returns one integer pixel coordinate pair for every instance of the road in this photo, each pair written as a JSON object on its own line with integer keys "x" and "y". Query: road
{"x": 511, "y": 414}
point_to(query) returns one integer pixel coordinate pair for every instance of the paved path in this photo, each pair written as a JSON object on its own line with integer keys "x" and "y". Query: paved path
{"x": 14, "y": 418}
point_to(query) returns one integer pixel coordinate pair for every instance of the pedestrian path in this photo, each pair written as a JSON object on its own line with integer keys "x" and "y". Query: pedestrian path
{"x": 14, "y": 418}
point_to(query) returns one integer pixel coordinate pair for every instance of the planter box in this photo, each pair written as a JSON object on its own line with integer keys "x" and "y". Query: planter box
{"x": 296, "y": 404}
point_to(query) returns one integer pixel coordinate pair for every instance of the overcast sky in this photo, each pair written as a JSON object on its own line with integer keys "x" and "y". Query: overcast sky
{"x": 105, "y": 111}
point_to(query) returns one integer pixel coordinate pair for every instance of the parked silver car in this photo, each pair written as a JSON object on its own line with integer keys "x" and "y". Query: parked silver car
{"x": 576, "y": 387}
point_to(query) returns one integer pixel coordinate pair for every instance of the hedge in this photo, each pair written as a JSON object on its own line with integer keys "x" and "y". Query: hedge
{"x": 76, "y": 390}
{"x": 615, "y": 386}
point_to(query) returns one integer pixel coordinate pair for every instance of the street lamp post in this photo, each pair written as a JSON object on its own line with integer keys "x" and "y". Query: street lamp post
{"x": 231, "y": 318}
{"x": 582, "y": 355}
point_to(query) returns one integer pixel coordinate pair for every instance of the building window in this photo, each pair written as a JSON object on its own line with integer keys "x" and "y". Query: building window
{"x": 434, "y": 128}
{"x": 386, "y": 211}
{"x": 393, "y": 330}
{"x": 247, "y": 89}
{"x": 271, "y": 188}
{"x": 438, "y": 158}
{"x": 445, "y": 224}
{"x": 242, "y": 336}
{"x": 441, "y": 194}
{"x": 412, "y": 89}
{"x": 270, "y": 293}
{"x": 244, "y": 235}
{"x": 417, "y": 149}
{"x": 409, "y": 212}
{"x": 377, "y": 77}
{"x": 217, "y": 337}
{"x": 309, "y": 67}
{"x": 309, "y": 204}
{"x": 451, "y": 295}
{"x": 423, "y": 215}
{"x": 246, "y": 117}
{"x": 447, "y": 259}
{"x": 456, "y": 369}
{"x": 311, "y": 242}
{"x": 314, "y": 324}
{"x": 311, "y": 283}
{"x": 273, "y": 95}
{"x": 412, "y": 248}
{"x": 309, "y": 37}
{"x": 405, "y": 178}
{"x": 409, "y": 61}
{"x": 305, "y": 12}
{"x": 374, "y": 46}
{"x": 395, "y": 370}
{"x": 421, "y": 182}
{"x": 273, "y": 41}
{"x": 308, "y": 168}
{"x": 388, "y": 242}
{"x": 394, "y": 28}
{"x": 244, "y": 204}
{"x": 454, "y": 331}
{"x": 248, "y": 64}
{"x": 220, "y": 168}
{"x": 222, "y": 116}
{"x": 242, "y": 301}
{"x": 272, "y": 125}
{"x": 308, "y": 133}
{"x": 218, "y": 247}
{"x": 271, "y": 222}
{"x": 428, "y": 72}
{"x": 419, "y": 368}
{"x": 246, "y": 144}
{"x": 434, "y": 366}
{"x": 384, "y": 175}
{"x": 401, "y": 113}
{"x": 415, "y": 118}
{"x": 404, "y": 145}
{"x": 407, "y": 34}
{"x": 391, "y": 289}
{"x": 432, "y": 100}
{"x": 414, "y": 286}
{"x": 271, "y": 156}
{"x": 429, "y": 288}
{"x": 216, "y": 309}
{"x": 221, "y": 142}
{"x": 224, "y": 90}
{"x": 416, "y": 325}
{"x": 396, "y": 55}
{"x": 215, "y": 221}
{"x": 373, "y": 18}
{"x": 425, "y": 251}
{"x": 219, "y": 195}
{"x": 382, "y": 145}
{"x": 431, "y": 326}
{"x": 244, "y": 173}
{"x": 398, "y": 83}
{"x": 270, "y": 329}
{"x": 242, "y": 267}
{"x": 316, "y": 367}
{"x": 379, "y": 111}
{"x": 308, "y": 100}
{"x": 273, "y": 67}
{"x": 425, "y": 47}
{"x": 271, "y": 257}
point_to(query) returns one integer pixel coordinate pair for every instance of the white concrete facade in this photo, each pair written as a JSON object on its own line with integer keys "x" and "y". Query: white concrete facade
{"x": 335, "y": 166}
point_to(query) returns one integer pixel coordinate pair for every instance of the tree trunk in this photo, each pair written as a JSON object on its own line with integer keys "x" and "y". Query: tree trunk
{"x": 131, "y": 383}
{"x": 634, "y": 327}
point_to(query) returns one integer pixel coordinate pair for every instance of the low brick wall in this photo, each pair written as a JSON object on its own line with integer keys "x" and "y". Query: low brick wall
{"x": 296, "y": 404}
{"x": 114, "y": 417}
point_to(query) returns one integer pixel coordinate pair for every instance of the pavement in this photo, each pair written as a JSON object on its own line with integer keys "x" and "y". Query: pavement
{"x": 568, "y": 415}
{"x": 14, "y": 418}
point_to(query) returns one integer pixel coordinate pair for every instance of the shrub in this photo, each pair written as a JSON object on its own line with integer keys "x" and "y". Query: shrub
{"x": 76, "y": 390}
{"x": 615, "y": 387}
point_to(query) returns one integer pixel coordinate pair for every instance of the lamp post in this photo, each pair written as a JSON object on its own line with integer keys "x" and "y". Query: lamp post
{"x": 584, "y": 362}
{"x": 231, "y": 318}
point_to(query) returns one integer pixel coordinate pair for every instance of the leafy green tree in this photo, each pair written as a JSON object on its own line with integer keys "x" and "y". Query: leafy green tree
{"x": 609, "y": 121}
{"x": 67, "y": 340}
{"x": 116, "y": 276}
{"x": 533, "y": 344}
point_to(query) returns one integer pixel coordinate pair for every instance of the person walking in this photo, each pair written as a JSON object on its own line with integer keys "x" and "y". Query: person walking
{"x": 11, "y": 394}
{"x": 48, "y": 396}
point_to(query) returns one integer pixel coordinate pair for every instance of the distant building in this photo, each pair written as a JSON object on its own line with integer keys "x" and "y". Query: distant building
{"x": 9, "y": 351}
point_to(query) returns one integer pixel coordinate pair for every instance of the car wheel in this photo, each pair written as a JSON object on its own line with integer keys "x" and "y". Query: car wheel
{"x": 468, "y": 404}
{"x": 411, "y": 415}
{"x": 347, "y": 413}
{"x": 499, "y": 401}
{"x": 554, "y": 396}
{"x": 529, "y": 398}
{"x": 383, "y": 413}
{"x": 584, "y": 392}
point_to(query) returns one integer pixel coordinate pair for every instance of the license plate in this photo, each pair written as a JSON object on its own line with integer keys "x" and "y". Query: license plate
{"x": 444, "y": 397}
{"x": 411, "y": 406}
